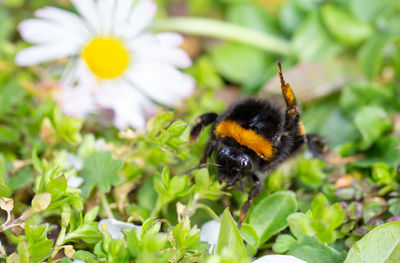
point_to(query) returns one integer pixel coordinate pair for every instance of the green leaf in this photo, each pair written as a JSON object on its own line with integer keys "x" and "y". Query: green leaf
{"x": 23, "y": 251}
{"x": 312, "y": 42}
{"x": 381, "y": 245}
{"x": 269, "y": 215}
{"x": 371, "y": 53}
{"x": 302, "y": 223}
{"x": 229, "y": 237}
{"x": 310, "y": 171}
{"x": 67, "y": 127}
{"x": 39, "y": 251}
{"x": 56, "y": 187}
{"x": 83, "y": 255}
{"x": 372, "y": 122}
{"x": 100, "y": 171}
{"x": 343, "y": 26}
{"x": 240, "y": 64}
{"x": 22, "y": 178}
{"x": 311, "y": 251}
{"x": 159, "y": 122}
{"x": 283, "y": 243}
{"x": 4, "y": 189}
{"x": 249, "y": 234}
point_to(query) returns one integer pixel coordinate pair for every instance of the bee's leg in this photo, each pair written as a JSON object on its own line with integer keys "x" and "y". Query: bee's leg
{"x": 319, "y": 149}
{"x": 202, "y": 122}
{"x": 203, "y": 161}
{"x": 292, "y": 112}
{"x": 208, "y": 151}
{"x": 254, "y": 192}
{"x": 288, "y": 94}
{"x": 317, "y": 145}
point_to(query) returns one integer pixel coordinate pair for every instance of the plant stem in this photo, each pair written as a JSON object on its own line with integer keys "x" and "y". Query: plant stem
{"x": 209, "y": 211}
{"x": 226, "y": 31}
{"x": 105, "y": 205}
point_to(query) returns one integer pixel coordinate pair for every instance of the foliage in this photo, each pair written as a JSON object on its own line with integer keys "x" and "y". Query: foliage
{"x": 60, "y": 175}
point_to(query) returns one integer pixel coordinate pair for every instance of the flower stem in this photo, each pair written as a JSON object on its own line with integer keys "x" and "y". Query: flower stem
{"x": 226, "y": 31}
{"x": 106, "y": 205}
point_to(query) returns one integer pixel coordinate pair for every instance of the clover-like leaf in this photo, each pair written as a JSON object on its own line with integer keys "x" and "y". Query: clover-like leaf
{"x": 100, "y": 171}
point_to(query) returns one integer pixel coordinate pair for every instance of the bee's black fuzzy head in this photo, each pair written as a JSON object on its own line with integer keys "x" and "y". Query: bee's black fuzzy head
{"x": 233, "y": 163}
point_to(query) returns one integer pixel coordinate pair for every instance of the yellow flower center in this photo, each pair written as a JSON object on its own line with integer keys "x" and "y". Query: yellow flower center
{"x": 107, "y": 58}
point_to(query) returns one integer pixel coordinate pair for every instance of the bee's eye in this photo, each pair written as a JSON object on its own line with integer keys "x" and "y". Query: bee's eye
{"x": 235, "y": 169}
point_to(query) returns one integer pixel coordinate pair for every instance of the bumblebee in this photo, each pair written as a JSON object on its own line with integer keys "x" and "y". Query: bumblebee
{"x": 252, "y": 137}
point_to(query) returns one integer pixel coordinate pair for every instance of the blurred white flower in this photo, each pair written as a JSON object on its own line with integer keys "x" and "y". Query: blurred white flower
{"x": 115, "y": 227}
{"x": 209, "y": 232}
{"x": 278, "y": 259}
{"x": 75, "y": 181}
{"x": 115, "y": 63}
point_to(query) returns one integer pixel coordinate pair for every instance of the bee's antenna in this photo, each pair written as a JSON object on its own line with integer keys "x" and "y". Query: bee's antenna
{"x": 200, "y": 166}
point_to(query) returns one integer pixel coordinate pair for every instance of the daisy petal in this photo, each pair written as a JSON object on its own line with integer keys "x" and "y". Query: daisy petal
{"x": 87, "y": 9}
{"x": 41, "y": 53}
{"x": 141, "y": 17}
{"x": 77, "y": 101}
{"x": 106, "y": 12}
{"x": 126, "y": 103}
{"x": 161, "y": 82}
{"x": 41, "y": 31}
{"x": 65, "y": 19}
{"x": 172, "y": 56}
{"x": 171, "y": 39}
{"x": 123, "y": 10}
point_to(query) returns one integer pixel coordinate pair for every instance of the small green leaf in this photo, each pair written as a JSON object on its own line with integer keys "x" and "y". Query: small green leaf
{"x": 91, "y": 215}
{"x": 83, "y": 255}
{"x": 56, "y": 187}
{"x": 381, "y": 245}
{"x": 302, "y": 223}
{"x": 269, "y": 215}
{"x": 312, "y": 251}
{"x": 283, "y": 243}
{"x": 159, "y": 122}
{"x": 4, "y": 189}
{"x": 343, "y": 26}
{"x": 229, "y": 237}
{"x": 100, "y": 170}
{"x": 249, "y": 234}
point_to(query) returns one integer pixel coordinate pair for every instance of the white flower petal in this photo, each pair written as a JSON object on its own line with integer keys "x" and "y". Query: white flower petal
{"x": 75, "y": 181}
{"x": 65, "y": 19}
{"x": 279, "y": 259}
{"x": 123, "y": 10}
{"x": 126, "y": 103}
{"x": 41, "y": 31}
{"x": 162, "y": 53}
{"x": 77, "y": 101}
{"x": 161, "y": 82}
{"x": 74, "y": 161}
{"x": 169, "y": 38}
{"x": 42, "y": 53}
{"x": 115, "y": 227}
{"x": 141, "y": 17}
{"x": 209, "y": 232}
{"x": 106, "y": 12}
{"x": 87, "y": 9}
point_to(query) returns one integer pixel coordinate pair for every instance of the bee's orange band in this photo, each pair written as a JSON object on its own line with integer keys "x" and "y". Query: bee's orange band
{"x": 301, "y": 130}
{"x": 249, "y": 138}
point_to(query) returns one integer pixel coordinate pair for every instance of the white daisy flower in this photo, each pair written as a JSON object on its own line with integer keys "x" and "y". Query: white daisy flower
{"x": 115, "y": 62}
